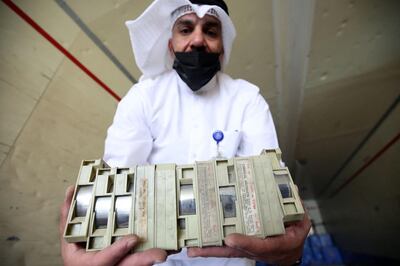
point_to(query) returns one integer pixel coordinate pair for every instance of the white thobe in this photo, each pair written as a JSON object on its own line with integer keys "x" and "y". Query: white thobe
{"x": 162, "y": 120}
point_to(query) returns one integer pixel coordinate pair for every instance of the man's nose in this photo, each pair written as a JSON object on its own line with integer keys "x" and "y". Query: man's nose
{"x": 198, "y": 41}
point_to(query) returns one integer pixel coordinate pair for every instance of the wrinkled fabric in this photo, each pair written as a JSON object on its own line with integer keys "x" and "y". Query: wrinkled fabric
{"x": 219, "y": 3}
{"x": 163, "y": 121}
{"x": 182, "y": 259}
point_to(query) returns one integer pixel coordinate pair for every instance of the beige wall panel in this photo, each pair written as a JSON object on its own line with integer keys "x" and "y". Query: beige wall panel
{"x": 91, "y": 10}
{"x": 365, "y": 216}
{"x": 52, "y": 19}
{"x": 337, "y": 116}
{"x": 68, "y": 124}
{"x": 387, "y": 131}
{"x": 108, "y": 23}
{"x": 15, "y": 108}
{"x": 99, "y": 64}
{"x": 348, "y": 106}
{"x": 353, "y": 77}
{"x": 4, "y": 149}
{"x": 27, "y": 63}
{"x": 253, "y": 54}
{"x": 322, "y": 159}
{"x": 353, "y": 37}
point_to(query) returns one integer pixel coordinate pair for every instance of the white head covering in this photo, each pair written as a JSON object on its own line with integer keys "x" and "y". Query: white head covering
{"x": 151, "y": 31}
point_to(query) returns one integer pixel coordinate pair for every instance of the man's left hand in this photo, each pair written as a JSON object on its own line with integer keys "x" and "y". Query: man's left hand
{"x": 281, "y": 250}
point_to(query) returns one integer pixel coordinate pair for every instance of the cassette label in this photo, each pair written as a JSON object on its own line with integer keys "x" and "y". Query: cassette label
{"x": 208, "y": 203}
{"x": 141, "y": 204}
{"x": 247, "y": 190}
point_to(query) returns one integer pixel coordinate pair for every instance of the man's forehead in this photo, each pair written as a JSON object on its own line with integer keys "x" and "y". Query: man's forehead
{"x": 193, "y": 18}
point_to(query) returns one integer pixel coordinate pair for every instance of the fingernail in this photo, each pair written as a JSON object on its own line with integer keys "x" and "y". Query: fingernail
{"x": 227, "y": 242}
{"x": 67, "y": 191}
{"x": 131, "y": 242}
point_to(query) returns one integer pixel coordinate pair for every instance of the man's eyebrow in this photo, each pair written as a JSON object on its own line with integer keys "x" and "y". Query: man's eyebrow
{"x": 212, "y": 24}
{"x": 184, "y": 22}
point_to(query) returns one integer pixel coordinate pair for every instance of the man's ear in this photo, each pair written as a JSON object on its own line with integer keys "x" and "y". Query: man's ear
{"x": 171, "y": 48}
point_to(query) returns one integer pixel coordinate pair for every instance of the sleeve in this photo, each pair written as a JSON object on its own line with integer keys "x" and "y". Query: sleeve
{"x": 129, "y": 140}
{"x": 258, "y": 129}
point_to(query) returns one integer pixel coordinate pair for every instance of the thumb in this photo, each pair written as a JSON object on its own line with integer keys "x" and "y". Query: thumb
{"x": 65, "y": 208}
{"x": 117, "y": 251}
{"x": 250, "y": 245}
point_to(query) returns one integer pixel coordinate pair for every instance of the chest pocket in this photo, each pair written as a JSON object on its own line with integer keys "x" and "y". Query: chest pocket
{"x": 229, "y": 145}
{"x": 205, "y": 148}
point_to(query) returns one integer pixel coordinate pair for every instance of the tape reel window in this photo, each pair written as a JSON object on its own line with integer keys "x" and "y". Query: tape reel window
{"x": 283, "y": 181}
{"x": 187, "y": 203}
{"x": 228, "y": 201}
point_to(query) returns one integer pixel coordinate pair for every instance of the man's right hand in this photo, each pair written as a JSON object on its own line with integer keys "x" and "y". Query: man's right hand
{"x": 116, "y": 254}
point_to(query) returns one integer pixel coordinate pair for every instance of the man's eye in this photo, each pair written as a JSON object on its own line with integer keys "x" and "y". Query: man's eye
{"x": 185, "y": 30}
{"x": 212, "y": 33}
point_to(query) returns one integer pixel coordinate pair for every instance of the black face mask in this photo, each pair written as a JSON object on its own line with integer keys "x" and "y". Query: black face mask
{"x": 196, "y": 68}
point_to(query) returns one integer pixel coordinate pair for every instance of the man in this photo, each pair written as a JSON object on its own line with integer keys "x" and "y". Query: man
{"x": 170, "y": 116}
{"x": 182, "y": 98}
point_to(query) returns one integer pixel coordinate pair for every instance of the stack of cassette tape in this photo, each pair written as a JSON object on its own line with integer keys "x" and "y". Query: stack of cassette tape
{"x": 173, "y": 206}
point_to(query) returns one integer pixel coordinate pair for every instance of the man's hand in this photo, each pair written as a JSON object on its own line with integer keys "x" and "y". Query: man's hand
{"x": 116, "y": 254}
{"x": 280, "y": 250}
